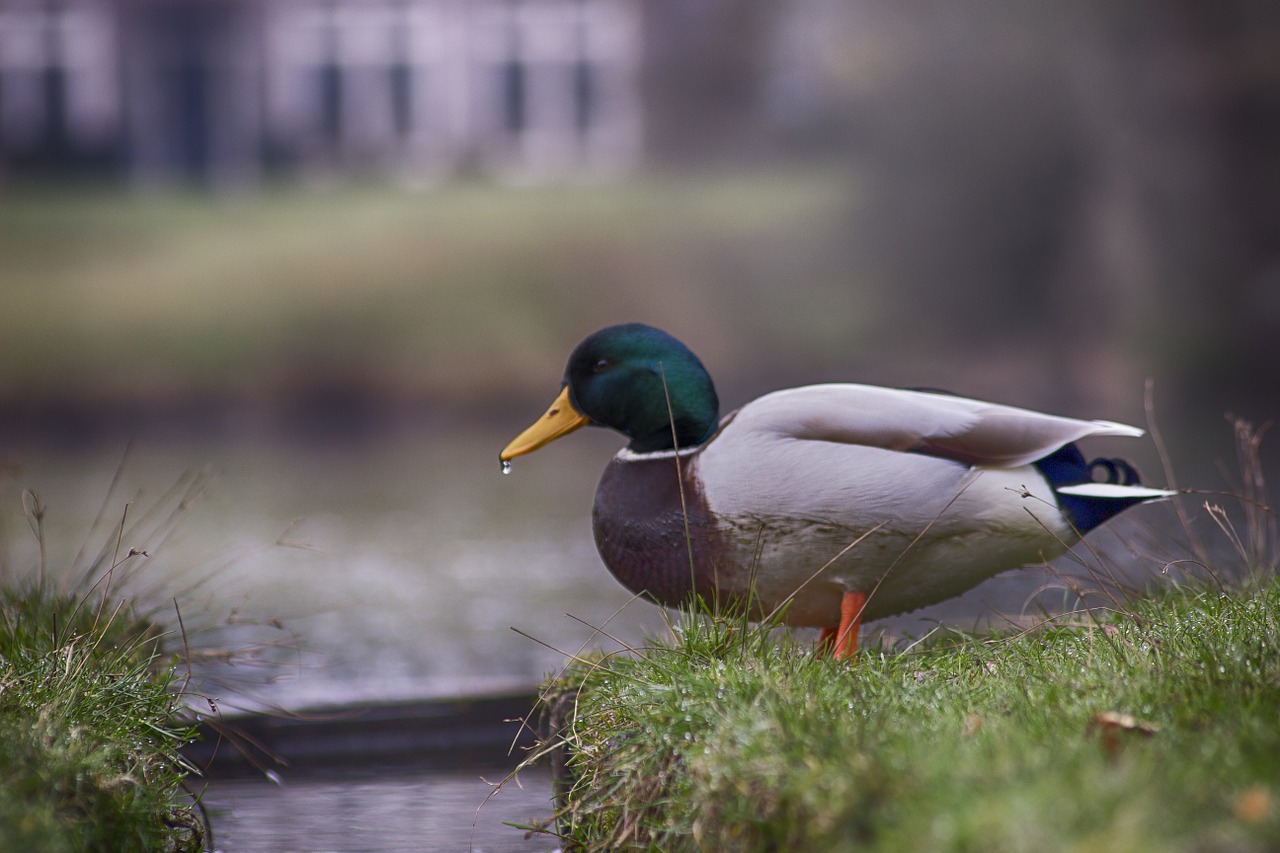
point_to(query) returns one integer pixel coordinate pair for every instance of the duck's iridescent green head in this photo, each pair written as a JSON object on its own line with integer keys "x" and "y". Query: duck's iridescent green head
{"x": 637, "y": 380}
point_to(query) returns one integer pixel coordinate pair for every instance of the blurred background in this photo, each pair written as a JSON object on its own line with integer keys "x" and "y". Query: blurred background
{"x": 337, "y": 252}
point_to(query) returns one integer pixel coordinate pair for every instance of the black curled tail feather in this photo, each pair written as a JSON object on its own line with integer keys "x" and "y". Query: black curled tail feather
{"x": 1116, "y": 471}
{"x": 1066, "y": 466}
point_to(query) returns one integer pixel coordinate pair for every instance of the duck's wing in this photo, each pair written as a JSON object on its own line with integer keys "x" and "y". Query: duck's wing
{"x": 969, "y": 431}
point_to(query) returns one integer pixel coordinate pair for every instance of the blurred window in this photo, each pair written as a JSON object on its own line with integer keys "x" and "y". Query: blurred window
{"x": 59, "y": 90}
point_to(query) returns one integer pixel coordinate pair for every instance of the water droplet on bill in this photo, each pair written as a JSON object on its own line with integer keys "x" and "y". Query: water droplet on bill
{"x": 506, "y": 466}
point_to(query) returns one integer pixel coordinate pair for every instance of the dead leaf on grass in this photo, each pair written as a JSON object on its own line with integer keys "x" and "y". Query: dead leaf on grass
{"x": 1253, "y": 805}
{"x": 1113, "y": 727}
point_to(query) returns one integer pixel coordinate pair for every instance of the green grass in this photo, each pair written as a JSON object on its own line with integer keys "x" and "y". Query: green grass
{"x": 1148, "y": 723}
{"x": 89, "y": 731}
{"x": 93, "y": 698}
{"x": 740, "y": 739}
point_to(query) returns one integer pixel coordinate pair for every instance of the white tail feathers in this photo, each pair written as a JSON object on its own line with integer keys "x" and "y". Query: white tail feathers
{"x": 1113, "y": 428}
{"x": 1113, "y": 490}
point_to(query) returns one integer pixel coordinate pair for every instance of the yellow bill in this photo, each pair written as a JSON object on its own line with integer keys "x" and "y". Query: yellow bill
{"x": 561, "y": 419}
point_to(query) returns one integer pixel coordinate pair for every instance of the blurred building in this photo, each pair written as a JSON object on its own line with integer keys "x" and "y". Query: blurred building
{"x": 226, "y": 91}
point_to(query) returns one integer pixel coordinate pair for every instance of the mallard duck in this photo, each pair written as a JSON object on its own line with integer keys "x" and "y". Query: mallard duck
{"x": 826, "y": 504}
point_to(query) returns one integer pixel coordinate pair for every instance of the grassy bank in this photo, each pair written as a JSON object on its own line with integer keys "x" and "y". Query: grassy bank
{"x": 1149, "y": 721}
{"x": 1152, "y": 729}
{"x": 92, "y": 711}
{"x": 1146, "y": 723}
{"x": 88, "y": 738}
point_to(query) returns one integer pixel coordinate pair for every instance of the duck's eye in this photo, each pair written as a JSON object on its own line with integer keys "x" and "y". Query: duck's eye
{"x": 602, "y": 365}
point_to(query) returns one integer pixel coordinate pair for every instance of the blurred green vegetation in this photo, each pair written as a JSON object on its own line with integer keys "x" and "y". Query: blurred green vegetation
{"x": 457, "y": 291}
{"x": 314, "y": 302}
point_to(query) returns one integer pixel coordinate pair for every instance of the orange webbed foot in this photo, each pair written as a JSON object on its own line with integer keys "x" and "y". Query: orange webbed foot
{"x": 842, "y": 643}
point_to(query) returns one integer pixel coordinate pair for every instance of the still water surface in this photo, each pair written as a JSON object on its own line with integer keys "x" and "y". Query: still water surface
{"x": 373, "y": 810}
{"x": 337, "y": 574}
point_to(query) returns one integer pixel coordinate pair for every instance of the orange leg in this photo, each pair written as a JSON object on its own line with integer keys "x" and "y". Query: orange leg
{"x": 843, "y": 641}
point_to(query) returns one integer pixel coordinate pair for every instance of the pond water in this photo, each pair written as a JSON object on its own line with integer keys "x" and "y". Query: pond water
{"x": 377, "y": 809}
{"x": 343, "y": 573}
